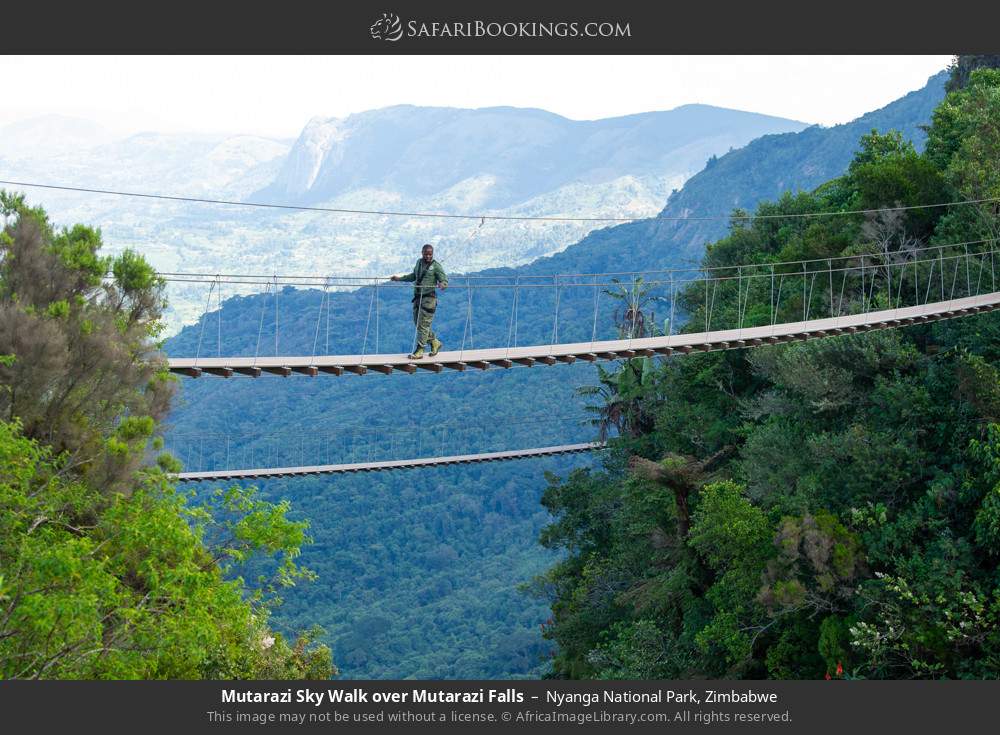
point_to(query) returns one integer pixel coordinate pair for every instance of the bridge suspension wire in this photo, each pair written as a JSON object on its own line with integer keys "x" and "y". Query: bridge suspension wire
{"x": 319, "y": 319}
{"x": 362, "y": 281}
{"x": 368, "y": 323}
{"x": 467, "y": 329}
{"x": 495, "y": 217}
{"x": 276, "y": 321}
{"x": 204, "y": 319}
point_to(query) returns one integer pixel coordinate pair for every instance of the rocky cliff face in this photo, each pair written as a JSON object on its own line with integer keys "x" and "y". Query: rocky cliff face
{"x": 510, "y": 155}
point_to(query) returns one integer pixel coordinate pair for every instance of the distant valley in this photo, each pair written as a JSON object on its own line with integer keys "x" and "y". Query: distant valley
{"x": 446, "y": 551}
{"x": 504, "y": 160}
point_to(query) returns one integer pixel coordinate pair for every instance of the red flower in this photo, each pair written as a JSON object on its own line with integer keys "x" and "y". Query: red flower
{"x": 840, "y": 669}
{"x": 827, "y": 676}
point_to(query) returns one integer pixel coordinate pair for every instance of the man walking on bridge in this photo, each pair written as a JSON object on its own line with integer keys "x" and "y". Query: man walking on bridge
{"x": 427, "y": 274}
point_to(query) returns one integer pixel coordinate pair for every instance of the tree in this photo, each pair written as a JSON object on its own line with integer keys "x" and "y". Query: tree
{"x": 623, "y": 395}
{"x": 683, "y": 476}
{"x": 634, "y": 321}
{"x": 86, "y": 377}
{"x": 730, "y": 536}
{"x": 886, "y": 172}
{"x": 124, "y": 588}
{"x": 963, "y": 65}
{"x": 106, "y": 570}
{"x": 829, "y": 506}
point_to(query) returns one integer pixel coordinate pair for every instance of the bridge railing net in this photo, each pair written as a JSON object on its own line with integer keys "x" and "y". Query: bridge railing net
{"x": 358, "y": 316}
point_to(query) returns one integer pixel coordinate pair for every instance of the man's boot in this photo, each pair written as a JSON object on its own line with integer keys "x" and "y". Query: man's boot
{"x": 417, "y": 354}
{"x": 435, "y": 346}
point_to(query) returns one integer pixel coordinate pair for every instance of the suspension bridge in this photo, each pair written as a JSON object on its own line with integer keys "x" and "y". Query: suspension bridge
{"x": 396, "y": 464}
{"x": 591, "y": 351}
{"x": 874, "y": 293}
{"x": 731, "y": 307}
{"x": 740, "y": 306}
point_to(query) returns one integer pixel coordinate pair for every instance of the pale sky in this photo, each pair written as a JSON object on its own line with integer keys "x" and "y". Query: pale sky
{"x": 276, "y": 95}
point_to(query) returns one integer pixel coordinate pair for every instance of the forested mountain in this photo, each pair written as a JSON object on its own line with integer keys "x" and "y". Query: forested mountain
{"x": 761, "y": 170}
{"x": 418, "y": 572}
{"x": 309, "y": 418}
{"x": 774, "y": 164}
{"x": 820, "y": 509}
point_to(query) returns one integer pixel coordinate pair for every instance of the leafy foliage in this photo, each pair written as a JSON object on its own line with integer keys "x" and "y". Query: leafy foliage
{"x": 840, "y": 509}
{"x": 125, "y": 587}
{"x": 85, "y": 377}
{"x": 106, "y": 570}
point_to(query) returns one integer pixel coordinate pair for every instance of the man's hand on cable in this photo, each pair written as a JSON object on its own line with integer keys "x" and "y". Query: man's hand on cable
{"x": 442, "y": 286}
{"x": 394, "y": 278}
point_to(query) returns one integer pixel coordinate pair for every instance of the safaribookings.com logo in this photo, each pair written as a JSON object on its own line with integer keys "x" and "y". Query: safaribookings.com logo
{"x": 387, "y": 28}
{"x": 390, "y": 28}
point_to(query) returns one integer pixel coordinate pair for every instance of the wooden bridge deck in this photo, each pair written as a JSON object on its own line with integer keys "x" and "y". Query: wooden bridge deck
{"x": 590, "y": 351}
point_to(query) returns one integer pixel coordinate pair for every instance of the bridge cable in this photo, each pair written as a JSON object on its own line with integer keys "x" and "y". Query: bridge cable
{"x": 364, "y": 345}
{"x": 555, "y": 318}
{"x": 597, "y": 300}
{"x": 260, "y": 328}
{"x": 204, "y": 320}
{"x": 218, "y": 296}
{"x": 319, "y": 318}
{"x": 361, "y": 281}
{"x": 442, "y": 215}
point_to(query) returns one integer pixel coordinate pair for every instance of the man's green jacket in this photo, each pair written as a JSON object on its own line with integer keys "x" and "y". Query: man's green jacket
{"x": 425, "y": 278}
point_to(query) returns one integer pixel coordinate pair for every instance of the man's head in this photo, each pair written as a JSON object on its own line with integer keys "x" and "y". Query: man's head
{"x": 427, "y": 252}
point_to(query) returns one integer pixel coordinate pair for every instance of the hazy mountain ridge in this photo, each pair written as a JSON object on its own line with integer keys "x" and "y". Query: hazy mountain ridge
{"x": 801, "y": 161}
{"x": 175, "y": 163}
{"x": 761, "y": 170}
{"x": 51, "y": 135}
{"x": 503, "y": 161}
{"x": 420, "y": 151}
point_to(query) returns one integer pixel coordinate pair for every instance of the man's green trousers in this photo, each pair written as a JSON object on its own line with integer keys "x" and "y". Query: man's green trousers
{"x": 423, "y": 314}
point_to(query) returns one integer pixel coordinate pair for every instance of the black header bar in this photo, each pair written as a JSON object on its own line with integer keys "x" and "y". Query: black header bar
{"x": 511, "y": 26}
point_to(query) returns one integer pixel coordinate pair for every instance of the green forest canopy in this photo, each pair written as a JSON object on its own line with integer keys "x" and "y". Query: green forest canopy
{"x": 106, "y": 571}
{"x": 829, "y": 508}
